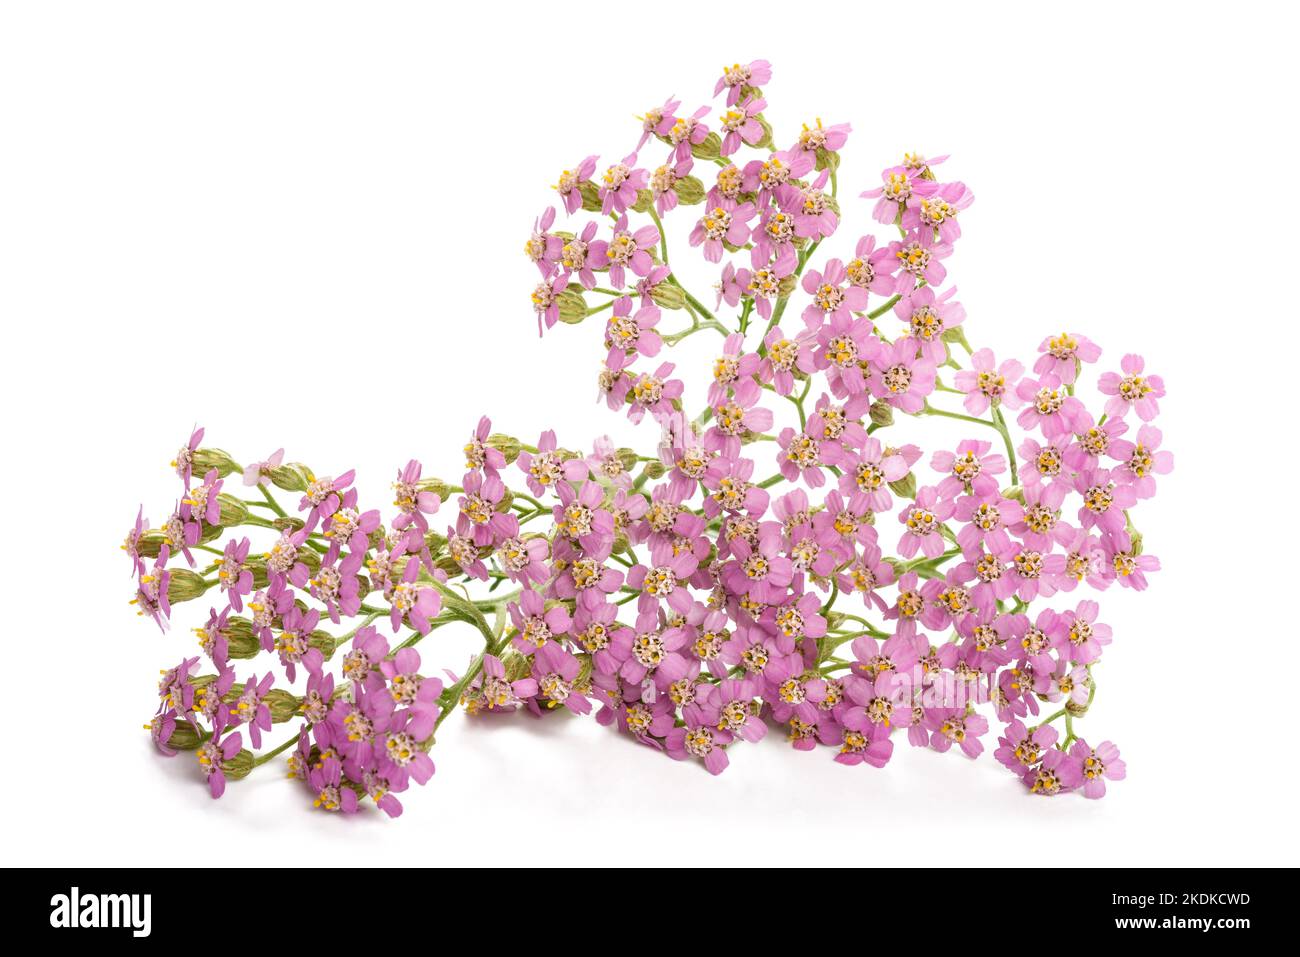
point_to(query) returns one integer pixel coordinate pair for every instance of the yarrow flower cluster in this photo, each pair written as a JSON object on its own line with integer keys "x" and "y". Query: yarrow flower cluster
{"x": 741, "y": 578}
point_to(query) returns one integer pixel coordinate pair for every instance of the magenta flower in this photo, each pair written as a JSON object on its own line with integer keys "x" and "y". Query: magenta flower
{"x": 900, "y": 379}
{"x": 988, "y": 384}
{"x": 842, "y": 346}
{"x": 665, "y": 580}
{"x": 579, "y": 257}
{"x": 949, "y": 726}
{"x": 484, "y": 491}
{"x": 546, "y": 300}
{"x": 700, "y": 738}
{"x": 731, "y": 367}
{"x": 921, "y": 522}
{"x": 1132, "y": 390}
{"x": 818, "y": 138}
{"x": 1058, "y": 772}
{"x": 1079, "y": 636}
{"x": 1049, "y": 407}
{"x": 726, "y": 223}
{"x": 833, "y": 296}
{"x": 873, "y": 268}
{"x": 214, "y": 753}
{"x": 323, "y": 499}
{"x": 1020, "y": 749}
{"x": 760, "y": 571}
{"x": 1142, "y": 461}
{"x": 869, "y": 476}
{"x": 1104, "y": 501}
{"x": 201, "y": 505}
{"x": 256, "y": 473}
{"x": 619, "y": 185}
{"x": 867, "y": 573}
{"x": 894, "y": 194}
{"x": 1126, "y": 565}
{"x": 543, "y": 247}
{"x": 633, "y": 334}
{"x": 1097, "y": 765}
{"x": 235, "y": 579}
{"x": 556, "y": 672}
{"x": 569, "y": 185}
{"x": 928, "y": 317}
{"x": 970, "y": 469}
{"x": 921, "y": 262}
{"x": 151, "y": 592}
{"x": 738, "y": 77}
{"x": 250, "y": 708}
{"x": 626, "y": 250}
{"x": 688, "y": 132}
{"x": 739, "y": 125}
{"x": 1092, "y": 442}
{"x": 413, "y": 601}
{"x": 988, "y": 516}
{"x": 934, "y": 214}
{"x": 813, "y": 210}
{"x": 534, "y": 623}
{"x": 184, "y": 461}
{"x": 737, "y": 416}
{"x": 1063, "y": 354}
{"x": 412, "y": 691}
{"x": 658, "y": 120}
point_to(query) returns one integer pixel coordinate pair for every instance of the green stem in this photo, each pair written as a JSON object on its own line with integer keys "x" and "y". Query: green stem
{"x": 663, "y": 237}
{"x": 1001, "y": 426}
{"x": 279, "y": 749}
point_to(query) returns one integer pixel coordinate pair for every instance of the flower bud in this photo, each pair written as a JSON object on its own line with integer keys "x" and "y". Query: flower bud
{"x": 955, "y": 334}
{"x": 573, "y": 308}
{"x": 905, "y": 487}
{"x": 667, "y": 295}
{"x": 591, "y": 201}
{"x": 690, "y": 190}
{"x": 292, "y": 477}
{"x": 284, "y": 704}
{"x": 239, "y": 636}
{"x": 448, "y": 564}
{"x": 516, "y": 665}
{"x": 834, "y": 619}
{"x": 233, "y": 511}
{"x": 827, "y": 159}
{"x": 287, "y": 523}
{"x": 710, "y": 149}
{"x": 324, "y": 641}
{"x": 656, "y": 470}
{"x": 507, "y": 445}
{"x": 1015, "y": 493}
{"x": 240, "y": 766}
{"x": 185, "y": 585}
{"x": 205, "y": 459}
{"x": 627, "y": 458}
{"x": 1077, "y": 710}
{"x": 644, "y": 200}
{"x": 786, "y": 286}
{"x": 882, "y": 413}
{"x": 184, "y": 737}
{"x": 150, "y": 543}
{"x": 435, "y": 485}
{"x": 507, "y": 500}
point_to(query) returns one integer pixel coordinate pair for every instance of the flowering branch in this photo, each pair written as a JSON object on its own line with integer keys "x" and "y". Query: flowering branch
{"x": 687, "y": 604}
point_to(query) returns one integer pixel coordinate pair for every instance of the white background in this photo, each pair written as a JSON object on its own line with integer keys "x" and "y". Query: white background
{"x": 301, "y": 225}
